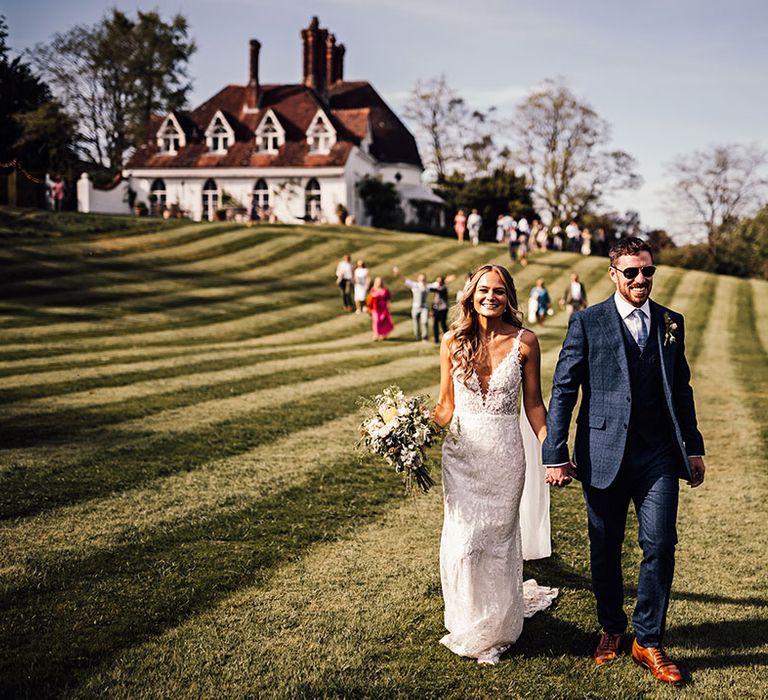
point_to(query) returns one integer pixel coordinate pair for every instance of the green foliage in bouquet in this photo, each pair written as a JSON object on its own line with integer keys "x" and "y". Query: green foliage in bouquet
{"x": 399, "y": 429}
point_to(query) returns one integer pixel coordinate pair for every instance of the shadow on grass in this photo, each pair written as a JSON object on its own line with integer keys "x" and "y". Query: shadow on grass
{"x": 128, "y": 461}
{"x": 92, "y": 609}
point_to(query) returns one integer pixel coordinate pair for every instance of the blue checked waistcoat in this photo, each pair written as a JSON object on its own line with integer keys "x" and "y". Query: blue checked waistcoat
{"x": 593, "y": 359}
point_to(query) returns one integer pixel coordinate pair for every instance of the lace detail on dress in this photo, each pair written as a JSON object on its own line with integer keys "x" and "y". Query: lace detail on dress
{"x": 481, "y": 561}
{"x": 503, "y": 386}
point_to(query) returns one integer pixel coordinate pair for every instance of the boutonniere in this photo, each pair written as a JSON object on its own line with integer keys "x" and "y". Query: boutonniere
{"x": 669, "y": 329}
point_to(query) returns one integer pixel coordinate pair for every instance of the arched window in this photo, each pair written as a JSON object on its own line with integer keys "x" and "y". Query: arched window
{"x": 260, "y": 196}
{"x": 158, "y": 196}
{"x": 312, "y": 200}
{"x": 210, "y": 200}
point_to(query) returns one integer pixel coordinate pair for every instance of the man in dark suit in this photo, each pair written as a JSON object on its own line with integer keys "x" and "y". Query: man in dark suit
{"x": 636, "y": 436}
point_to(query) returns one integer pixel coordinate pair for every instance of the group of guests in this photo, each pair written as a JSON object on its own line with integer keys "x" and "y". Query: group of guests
{"x": 358, "y": 294}
{"x": 521, "y": 237}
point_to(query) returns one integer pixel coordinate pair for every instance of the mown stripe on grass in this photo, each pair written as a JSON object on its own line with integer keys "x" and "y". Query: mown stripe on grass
{"x": 116, "y": 460}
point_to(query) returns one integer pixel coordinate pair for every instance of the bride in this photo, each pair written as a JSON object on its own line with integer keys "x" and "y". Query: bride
{"x": 485, "y": 359}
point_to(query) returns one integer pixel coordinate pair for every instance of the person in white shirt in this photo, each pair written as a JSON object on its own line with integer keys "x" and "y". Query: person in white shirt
{"x": 420, "y": 290}
{"x": 344, "y": 275}
{"x": 573, "y": 236}
{"x": 474, "y": 222}
{"x": 575, "y": 296}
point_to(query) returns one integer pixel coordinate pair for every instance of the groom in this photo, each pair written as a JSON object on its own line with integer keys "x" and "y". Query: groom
{"x": 636, "y": 437}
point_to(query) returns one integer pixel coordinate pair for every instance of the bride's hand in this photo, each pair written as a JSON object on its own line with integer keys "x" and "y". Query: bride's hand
{"x": 560, "y": 476}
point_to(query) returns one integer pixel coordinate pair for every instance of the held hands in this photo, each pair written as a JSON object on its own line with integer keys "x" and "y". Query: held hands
{"x": 697, "y": 471}
{"x": 560, "y": 476}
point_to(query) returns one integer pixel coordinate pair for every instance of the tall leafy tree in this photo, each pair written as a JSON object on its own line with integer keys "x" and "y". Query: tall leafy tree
{"x": 21, "y": 90}
{"x": 113, "y": 75}
{"x": 562, "y": 146}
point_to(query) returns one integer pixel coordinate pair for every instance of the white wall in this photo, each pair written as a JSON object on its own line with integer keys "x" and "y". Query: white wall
{"x": 90, "y": 199}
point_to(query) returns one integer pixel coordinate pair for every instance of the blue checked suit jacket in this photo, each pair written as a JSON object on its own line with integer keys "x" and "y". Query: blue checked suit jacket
{"x": 593, "y": 359}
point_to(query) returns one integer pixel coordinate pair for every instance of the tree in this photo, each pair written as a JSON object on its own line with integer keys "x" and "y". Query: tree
{"x": 562, "y": 148}
{"x": 439, "y": 116}
{"x": 501, "y": 192}
{"x": 381, "y": 202}
{"x": 34, "y": 130}
{"x": 21, "y": 90}
{"x": 114, "y": 75}
{"x": 717, "y": 186}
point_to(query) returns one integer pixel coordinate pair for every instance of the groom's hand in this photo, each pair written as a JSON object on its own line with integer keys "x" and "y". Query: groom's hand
{"x": 560, "y": 476}
{"x": 697, "y": 471}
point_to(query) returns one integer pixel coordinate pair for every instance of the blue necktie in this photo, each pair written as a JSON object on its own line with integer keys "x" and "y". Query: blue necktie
{"x": 642, "y": 330}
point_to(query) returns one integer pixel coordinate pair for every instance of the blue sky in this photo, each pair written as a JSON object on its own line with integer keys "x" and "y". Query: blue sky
{"x": 670, "y": 76}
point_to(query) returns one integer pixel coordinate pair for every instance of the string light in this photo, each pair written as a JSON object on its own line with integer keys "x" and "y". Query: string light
{"x": 17, "y": 166}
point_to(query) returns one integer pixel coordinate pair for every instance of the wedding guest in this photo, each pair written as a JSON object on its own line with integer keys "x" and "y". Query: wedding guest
{"x": 344, "y": 275}
{"x": 573, "y": 236}
{"x": 440, "y": 305}
{"x": 58, "y": 192}
{"x": 500, "y": 228}
{"x": 460, "y": 225}
{"x": 362, "y": 281}
{"x": 522, "y": 246}
{"x": 512, "y": 239}
{"x": 539, "y": 303}
{"x": 599, "y": 242}
{"x": 586, "y": 242}
{"x": 419, "y": 307}
{"x": 557, "y": 237}
{"x": 474, "y": 223}
{"x": 460, "y": 292}
{"x": 377, "y": 303}
{"x": 575, "y": 296}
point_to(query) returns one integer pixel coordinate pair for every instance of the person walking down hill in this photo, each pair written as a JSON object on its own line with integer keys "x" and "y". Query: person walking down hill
{"x": 539, "y": 303}
{"x": 420, "y": 306}
{"x": 440, "y": 305}
{"x": 575, "y": 296}
{"x": 377, "y": 303}
{"x": 460, "y": 225}
{"x": 474, "y": 223}
{"x": 362, "y": 281}
{"x": 344, "y": 275}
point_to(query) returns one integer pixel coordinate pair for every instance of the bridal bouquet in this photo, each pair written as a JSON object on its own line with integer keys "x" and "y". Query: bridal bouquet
{"x": 398, "y": 428}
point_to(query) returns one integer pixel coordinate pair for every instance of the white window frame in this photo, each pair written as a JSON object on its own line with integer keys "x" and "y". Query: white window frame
{"x": 261, "y": 196}
{"x": 170, "y": 136}
{"x": 269, "y": 140}
{"x": 321, "y": 136}
{"x": 219, "y": 135}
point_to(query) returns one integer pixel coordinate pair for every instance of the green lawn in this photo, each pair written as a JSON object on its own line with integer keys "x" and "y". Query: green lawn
{"x": 183, "y": 513}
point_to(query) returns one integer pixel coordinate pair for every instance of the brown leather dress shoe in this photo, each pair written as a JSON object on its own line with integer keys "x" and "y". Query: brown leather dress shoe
{"x": 658, "y": 663}
{"x": 607, "y": 648}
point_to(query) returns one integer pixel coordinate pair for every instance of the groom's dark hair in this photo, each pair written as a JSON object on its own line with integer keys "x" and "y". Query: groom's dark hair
{"x": 628, "y": 246}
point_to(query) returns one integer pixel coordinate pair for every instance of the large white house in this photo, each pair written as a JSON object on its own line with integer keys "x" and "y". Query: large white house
{"x": 295, "y": 150}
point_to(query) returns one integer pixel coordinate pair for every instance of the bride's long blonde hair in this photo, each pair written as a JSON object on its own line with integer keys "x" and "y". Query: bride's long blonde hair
{"x": 467, "y": 346}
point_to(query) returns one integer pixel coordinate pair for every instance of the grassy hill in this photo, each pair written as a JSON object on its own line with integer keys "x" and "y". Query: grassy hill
{"x": 183, "y": 514}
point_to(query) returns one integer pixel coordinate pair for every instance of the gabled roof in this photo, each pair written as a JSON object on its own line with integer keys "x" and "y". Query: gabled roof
{"x": 355, "y": 107}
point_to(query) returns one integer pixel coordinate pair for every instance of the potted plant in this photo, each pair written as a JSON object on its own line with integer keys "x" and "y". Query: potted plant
{"x": 140, "y": 209}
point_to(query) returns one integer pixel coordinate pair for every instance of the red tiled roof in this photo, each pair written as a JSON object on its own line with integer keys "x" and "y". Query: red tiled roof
{"x": 353, "y": 107}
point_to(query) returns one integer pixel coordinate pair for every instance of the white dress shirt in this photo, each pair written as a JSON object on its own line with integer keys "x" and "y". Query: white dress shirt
{"x": 625, "y": 309}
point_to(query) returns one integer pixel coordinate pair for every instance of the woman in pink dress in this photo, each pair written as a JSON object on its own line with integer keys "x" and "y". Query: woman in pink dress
{"x": 460, "y": 225}
{"x": 378, "y": 307}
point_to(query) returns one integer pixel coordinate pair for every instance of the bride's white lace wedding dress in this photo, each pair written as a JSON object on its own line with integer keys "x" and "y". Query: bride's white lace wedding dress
{"x": 481, "y": 554}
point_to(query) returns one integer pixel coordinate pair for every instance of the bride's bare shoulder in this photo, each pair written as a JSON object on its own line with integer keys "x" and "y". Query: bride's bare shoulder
{"x": 529, "y": 342}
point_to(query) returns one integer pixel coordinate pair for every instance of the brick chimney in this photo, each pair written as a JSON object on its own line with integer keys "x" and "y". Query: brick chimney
{"x": 314, "y": 41}
{"x": 252, "y": 91}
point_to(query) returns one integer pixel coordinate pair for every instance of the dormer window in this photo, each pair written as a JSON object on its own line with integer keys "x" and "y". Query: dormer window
{"x": 219, "y": 135}
{"x": 270, "y": 135}
{"x": 320, "y": 135}
{"x": 170, "y": 137}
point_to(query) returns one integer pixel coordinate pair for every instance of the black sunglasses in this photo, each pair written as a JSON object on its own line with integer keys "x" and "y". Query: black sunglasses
{"x": 631, "y": 272}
